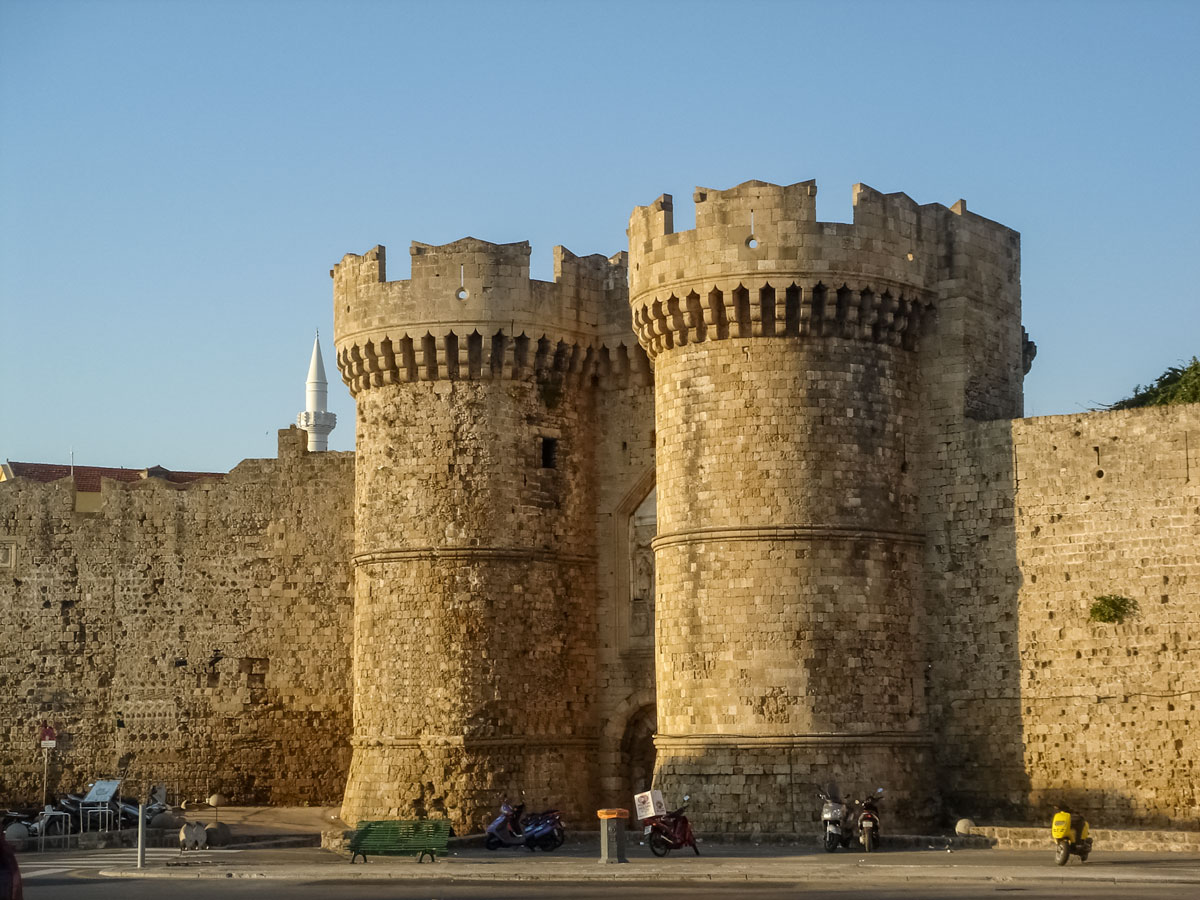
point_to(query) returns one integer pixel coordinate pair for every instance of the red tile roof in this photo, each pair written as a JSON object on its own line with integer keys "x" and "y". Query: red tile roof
{"x": 87, "y": 478}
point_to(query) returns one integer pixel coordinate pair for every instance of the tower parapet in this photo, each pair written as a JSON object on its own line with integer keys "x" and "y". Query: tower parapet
{"x": 471, "y": 312}
{"x": 759, "y": 264}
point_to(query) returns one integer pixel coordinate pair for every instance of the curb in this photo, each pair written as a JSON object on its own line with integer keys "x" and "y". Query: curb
{"x": 819, "y": 874}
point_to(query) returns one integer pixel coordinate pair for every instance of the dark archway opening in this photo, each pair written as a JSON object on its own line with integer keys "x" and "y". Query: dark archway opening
{"x": 637, "y": 751}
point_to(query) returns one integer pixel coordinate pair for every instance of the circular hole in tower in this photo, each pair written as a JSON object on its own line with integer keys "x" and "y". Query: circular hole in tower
{"x": 462, "y": 294}
{"x": 1099, "y": 473}
{"x": 752, "y": 242}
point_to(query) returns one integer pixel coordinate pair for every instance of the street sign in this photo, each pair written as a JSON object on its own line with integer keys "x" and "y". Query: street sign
{"x": 49, "y": 745}
{"x": 102, "y": 791}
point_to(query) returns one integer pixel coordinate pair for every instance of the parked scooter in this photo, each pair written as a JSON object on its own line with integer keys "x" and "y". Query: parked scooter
{"x": 20, "y": 826}
{"x": 512, "y": 828}
{"x": 670, "y": 831}
{"x": 544, "y": 830}
{"x": 505, "y": 830}
{"x": 1071, "y": 835}
{"x": 868, "y": 821}
{"x": 836, "y": 825}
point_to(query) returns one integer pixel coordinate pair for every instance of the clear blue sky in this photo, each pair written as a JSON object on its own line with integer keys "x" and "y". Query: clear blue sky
{"x": 177, "y": 178}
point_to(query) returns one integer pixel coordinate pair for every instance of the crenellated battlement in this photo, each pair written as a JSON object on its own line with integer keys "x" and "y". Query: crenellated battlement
{"x": 760, "y": 264}
{"x": 471, "y": 311}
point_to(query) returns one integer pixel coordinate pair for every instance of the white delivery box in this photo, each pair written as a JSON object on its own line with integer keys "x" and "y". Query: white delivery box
{"x": 649, "y": 803}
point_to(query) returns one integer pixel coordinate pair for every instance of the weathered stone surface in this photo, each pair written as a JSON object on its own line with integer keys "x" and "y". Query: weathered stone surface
{"x": 198, "y": 635}
{"x": 797, "y": 533}
{"x": 476, "y": 632}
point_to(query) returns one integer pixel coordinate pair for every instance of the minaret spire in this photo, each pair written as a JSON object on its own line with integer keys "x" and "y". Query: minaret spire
{"x": 316, "y": 419}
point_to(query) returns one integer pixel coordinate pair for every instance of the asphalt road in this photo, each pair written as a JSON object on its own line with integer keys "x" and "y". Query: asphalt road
{"x": 83, "y": 888}
{"x": 898, "y": 874}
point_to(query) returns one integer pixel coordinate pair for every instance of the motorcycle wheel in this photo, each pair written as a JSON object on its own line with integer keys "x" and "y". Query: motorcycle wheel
{"x": 695, "y": 848}
{"x": 560, "y": 837}
{"x": 831, "y": 842}
{"x": 492, "y": 842}
{"x": 1062, "y": 852}
{"x": 868, "y": 840}
{"x": 548, "y": 842}
{"x": 659, "y": 845}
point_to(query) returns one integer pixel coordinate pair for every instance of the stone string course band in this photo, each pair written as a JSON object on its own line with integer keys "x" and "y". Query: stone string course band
{"x": 758, "y": 742}
{"x": 467, "y": 554}
{"x": 783, "y": 533}
{"x": 458, "y": 740}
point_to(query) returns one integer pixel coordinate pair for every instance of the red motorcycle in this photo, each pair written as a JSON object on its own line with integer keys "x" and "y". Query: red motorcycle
{"x": 670, "y": 831}
{"x": 868, "y": 821}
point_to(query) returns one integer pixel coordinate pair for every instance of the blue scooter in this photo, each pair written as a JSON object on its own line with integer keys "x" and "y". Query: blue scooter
{"x": 512, "y": 828}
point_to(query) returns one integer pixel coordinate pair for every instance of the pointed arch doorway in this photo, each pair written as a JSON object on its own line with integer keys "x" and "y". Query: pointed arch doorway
{"x": 637, "y": 749}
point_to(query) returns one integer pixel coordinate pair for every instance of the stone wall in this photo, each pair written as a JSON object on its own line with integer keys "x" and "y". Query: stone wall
{"x": 866, "y": 566}
{"x": 1035, "y": 704}
{"x": 475, "y": 608}
{"x": 625, "y": 630}
{"x": 790, "y": 574}
{"x": 194, "y": 635}
{"x": 1109, "y": 503}
{"x": 972, "y": 583}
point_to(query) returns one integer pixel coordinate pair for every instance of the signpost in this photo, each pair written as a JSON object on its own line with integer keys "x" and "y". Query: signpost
{"x": 96, "y": 804}
{"x": 48, "y": 739}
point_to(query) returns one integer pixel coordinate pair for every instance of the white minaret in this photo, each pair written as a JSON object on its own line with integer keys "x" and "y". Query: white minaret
{"x": 316, "y": 419}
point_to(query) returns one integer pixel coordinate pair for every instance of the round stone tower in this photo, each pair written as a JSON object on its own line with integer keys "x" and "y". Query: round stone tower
{"x": 789, "y": 399}
{"x": 475, "y": 630}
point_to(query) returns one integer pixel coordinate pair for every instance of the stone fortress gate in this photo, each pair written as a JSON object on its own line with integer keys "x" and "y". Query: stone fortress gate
{"x": 800, "y": 381}
{"x": 747, "y": 509}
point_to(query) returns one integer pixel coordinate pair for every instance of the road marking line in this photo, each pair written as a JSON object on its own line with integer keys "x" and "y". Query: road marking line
{"x": 39, "y": 873}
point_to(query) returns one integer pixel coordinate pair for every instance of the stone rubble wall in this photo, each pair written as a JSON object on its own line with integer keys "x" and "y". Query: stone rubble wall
{"x": 1109, "y": 503}
{"x": 211, "y": 621}
{"x": 1034, "y": 704}
{"x": 475, "y": 613}
{"x": 971, "y": 617}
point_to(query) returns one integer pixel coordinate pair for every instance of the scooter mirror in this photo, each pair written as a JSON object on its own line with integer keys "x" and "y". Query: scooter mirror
{"x": 687, "y": 797}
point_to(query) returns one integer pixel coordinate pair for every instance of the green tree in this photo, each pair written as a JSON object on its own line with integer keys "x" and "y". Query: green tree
{"x": 1179, "y": 384}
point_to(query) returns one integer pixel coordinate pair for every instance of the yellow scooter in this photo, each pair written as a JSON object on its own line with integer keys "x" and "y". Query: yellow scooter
{"x": 1070, "y": 833}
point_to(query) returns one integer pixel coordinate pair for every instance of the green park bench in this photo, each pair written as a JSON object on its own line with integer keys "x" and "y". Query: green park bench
{"x": 400, "y": 838}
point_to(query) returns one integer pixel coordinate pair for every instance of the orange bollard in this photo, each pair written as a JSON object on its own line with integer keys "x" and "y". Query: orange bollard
{"x": 612, "y": 835}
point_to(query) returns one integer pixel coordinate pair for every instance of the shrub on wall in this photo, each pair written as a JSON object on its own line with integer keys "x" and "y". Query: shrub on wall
{"x": 1179, "y": 384}
{"x": 1112, "y": 608}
